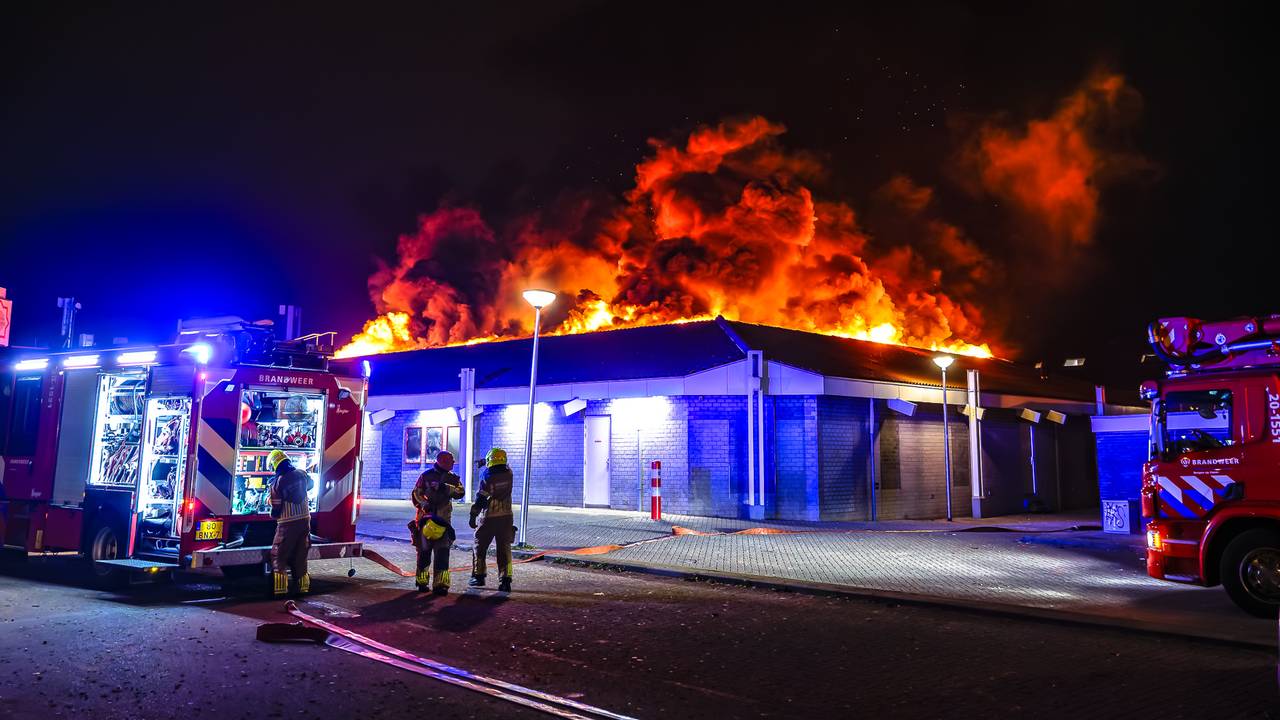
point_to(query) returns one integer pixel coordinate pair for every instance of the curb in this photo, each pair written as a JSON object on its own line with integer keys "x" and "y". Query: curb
{"x": 1090, "y": 543}
{"x": 995, "y": 609}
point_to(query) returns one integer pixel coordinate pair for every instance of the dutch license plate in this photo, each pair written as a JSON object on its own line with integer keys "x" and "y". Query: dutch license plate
{"x": 209, "y": 530}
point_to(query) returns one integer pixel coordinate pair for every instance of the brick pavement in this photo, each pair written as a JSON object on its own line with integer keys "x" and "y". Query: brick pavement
{"x": 924, "y": 559}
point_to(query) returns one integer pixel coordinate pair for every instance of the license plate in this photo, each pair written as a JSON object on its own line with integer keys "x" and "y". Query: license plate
{"x": 209, "y": 530}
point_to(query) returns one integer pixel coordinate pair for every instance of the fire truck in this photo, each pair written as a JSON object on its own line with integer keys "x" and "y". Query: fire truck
{"x": 1211, "y": 488}
{"x": 148, "y": 460}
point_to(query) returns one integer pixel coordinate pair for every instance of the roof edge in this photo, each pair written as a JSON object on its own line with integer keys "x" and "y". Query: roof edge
{"x": 728, "y": 330}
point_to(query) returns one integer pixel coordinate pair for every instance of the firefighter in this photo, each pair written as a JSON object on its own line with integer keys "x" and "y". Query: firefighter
{"x": 432, "y": 528}
{"x": 492, "y": 509}
{"x": 289, "y": 490}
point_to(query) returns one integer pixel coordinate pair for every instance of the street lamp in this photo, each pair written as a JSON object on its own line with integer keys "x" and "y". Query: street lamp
{"x": 538, "y": 299}
{"x": 944, "y": 362}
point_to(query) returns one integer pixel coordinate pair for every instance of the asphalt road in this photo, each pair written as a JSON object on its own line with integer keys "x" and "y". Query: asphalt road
{"x": 643, "y": 646}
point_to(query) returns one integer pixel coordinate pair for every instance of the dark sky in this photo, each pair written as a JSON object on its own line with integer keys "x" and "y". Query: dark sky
{"x": 162, "y": 161}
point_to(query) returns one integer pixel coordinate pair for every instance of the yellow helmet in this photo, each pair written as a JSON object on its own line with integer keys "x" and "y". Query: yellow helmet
{"x": 496, "y": 456}
{"x": 274, "y": 458}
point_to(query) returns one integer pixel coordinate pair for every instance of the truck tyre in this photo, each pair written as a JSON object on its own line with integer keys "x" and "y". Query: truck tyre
{"x": 105, "y": 543}
{"x": 1250, "y": 571}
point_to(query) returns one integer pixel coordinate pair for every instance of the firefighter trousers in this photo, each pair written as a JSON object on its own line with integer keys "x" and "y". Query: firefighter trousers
{"x": 499, "y": 530}
{"x": 289, "y": 555}
{"x": 433, "y": 562}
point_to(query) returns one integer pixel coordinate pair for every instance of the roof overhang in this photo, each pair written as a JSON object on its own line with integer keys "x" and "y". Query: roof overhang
{"x": 731, "y": 379}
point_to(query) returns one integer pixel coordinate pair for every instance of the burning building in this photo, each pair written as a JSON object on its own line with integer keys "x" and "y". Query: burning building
{"x": 747, "y": 420}
{"x": 768, "y": 344}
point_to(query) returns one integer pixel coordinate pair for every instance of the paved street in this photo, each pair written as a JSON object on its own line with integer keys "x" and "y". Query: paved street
{"x": 644, "y": 646}
{"x": 1085, "y": 574}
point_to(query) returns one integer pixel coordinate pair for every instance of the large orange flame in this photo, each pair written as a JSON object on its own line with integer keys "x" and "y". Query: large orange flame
{"x": 727, "y": 223}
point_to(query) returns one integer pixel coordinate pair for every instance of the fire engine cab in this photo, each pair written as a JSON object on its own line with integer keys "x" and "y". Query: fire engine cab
{"x": 1211, "y": 488}
{"x": 146, "y": 460}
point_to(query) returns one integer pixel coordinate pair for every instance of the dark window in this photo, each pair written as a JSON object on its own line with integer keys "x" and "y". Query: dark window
{"x": 413, "y": 445}
{"x": 24, "y": 425}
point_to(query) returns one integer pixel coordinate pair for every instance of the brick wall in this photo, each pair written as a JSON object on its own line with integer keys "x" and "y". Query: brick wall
{"x": 843, "y": 444}
{"x": 912, "y": 465}
{"x": 717, "y": 455}
{"x": 794, "y": 451}
{"x": 370, "y": 459}
{"x": 557, "y": 450}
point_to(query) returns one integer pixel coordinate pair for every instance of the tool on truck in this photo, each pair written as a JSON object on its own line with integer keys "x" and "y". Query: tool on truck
{"x": 147, "y": 460}
{"x": 1211, "y": 486}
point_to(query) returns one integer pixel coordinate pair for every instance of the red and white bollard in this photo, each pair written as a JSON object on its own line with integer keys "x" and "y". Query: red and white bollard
{"x": 655, "y": 490}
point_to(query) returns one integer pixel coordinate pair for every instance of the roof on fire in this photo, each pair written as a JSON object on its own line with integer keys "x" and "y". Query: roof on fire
{"x": 664, "y": 351}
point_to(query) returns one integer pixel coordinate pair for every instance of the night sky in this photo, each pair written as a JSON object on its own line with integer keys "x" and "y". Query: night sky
{"x": 166, "y": 161}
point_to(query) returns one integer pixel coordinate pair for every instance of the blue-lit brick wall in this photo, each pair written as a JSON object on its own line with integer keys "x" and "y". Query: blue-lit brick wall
{"x": 843, "y": 443}
{"x": 717, "y": 440}
{"x": 795, "y": 457}
{"x": 1120, "y": 458}
{"x": 557, "y": 450}
{"x": 816, "y": 450}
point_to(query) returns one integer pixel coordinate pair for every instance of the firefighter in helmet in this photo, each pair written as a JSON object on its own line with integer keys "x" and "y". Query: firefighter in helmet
{"x": 492, "y": 510}
{"x": 289, "y": 490}
{"x": 432, "y": 528}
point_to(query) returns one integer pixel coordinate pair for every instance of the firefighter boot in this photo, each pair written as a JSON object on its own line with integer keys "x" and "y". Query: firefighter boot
{"x": 504, "y": 585}
{"x": 423, "y": 580}
{"x": 304, "y": 584}
{"x": 441, "y": 584}
{"x": 476, "y": 581}
{"x": 279, "y": 584}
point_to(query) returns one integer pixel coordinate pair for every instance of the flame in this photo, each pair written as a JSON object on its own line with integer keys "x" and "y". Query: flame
{"x": 728, "y": 223}
{"x": 1050, "y": 168}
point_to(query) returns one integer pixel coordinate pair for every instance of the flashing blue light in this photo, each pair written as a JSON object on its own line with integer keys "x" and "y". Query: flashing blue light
{"x": 366, "y": 367}
{"x": 80, "y": 361}
{"x": 202, "y": 353}
{"x": 138, "y": 357}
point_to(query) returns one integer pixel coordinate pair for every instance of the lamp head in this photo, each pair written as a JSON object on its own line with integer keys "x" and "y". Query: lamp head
{"x": 539, "y": 298}
{"x": 943, "y": 361}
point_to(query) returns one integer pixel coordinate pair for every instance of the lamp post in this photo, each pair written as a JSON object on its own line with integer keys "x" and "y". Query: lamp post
{"x": 944, "y": 362}
{"x": 538, "y": 299}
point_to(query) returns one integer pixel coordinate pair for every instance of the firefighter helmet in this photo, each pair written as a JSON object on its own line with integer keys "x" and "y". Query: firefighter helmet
{"x": 496, "y": 456}
{"x": 274, "y": 458}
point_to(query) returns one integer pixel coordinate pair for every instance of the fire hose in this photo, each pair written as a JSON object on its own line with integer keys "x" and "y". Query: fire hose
{"x": 357, "y": 644}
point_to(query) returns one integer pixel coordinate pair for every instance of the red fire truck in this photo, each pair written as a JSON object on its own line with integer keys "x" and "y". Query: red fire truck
{"x": 146, "y": 460}
{"x": 1211, "y": 489}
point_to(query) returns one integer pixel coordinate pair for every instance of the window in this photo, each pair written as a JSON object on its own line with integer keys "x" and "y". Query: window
{"x": 453, "y": 439}
{"x": 435, "y": 443}
{"x": 1195, "y": 421}
{"x": 25, "y": 418}
{"x": 413, "y": 445}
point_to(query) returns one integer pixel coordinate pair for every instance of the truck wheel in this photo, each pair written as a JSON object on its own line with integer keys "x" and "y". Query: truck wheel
{"x": 105, "y": 544}
{"x": 1251, "y": 571}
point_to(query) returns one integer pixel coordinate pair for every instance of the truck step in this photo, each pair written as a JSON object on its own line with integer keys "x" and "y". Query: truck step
{"x": 139, "y": 564}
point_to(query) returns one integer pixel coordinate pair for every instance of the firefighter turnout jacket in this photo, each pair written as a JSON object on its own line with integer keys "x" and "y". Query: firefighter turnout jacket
{"x": 434, "y": 493}
{"x": 289, "y": 495}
